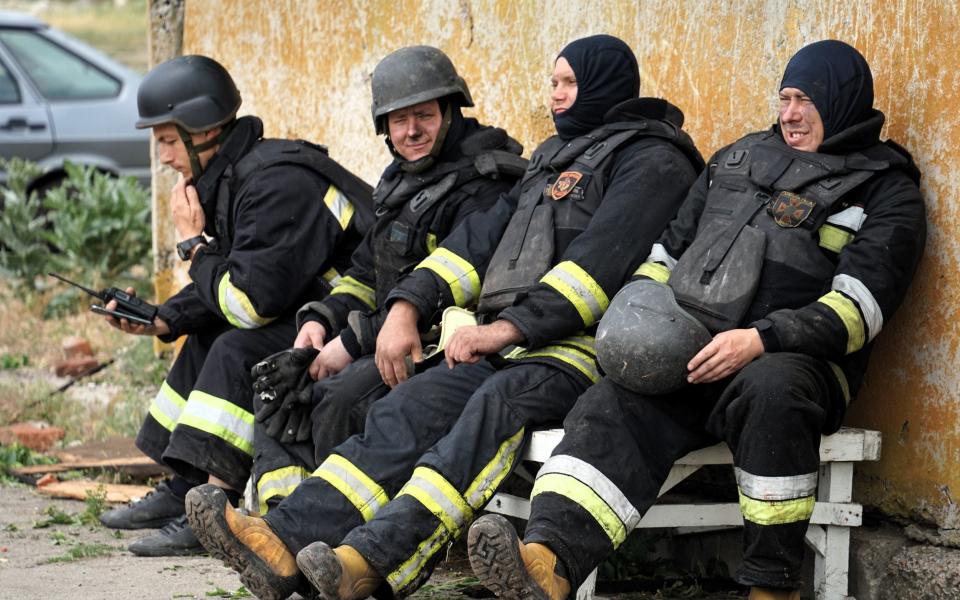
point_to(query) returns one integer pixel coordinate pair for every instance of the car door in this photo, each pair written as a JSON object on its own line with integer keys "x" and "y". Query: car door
{"x": 25, "y": 127}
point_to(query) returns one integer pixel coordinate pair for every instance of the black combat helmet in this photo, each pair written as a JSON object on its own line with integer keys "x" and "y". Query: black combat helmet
{"x": 645, "y": 339}
{"x": 413, "y": 75}
{"x": 195, "y": 93}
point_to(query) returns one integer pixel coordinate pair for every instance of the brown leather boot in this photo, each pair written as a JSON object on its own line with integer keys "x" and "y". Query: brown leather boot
{"x": 510, "y": 568}
{"x": 341, "y": 573}
{"x": 246, "y": 544}
{"x": 761, "y": 593}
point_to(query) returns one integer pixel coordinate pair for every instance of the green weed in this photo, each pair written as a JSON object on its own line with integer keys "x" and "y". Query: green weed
{"x": 10, "y": 360}
{"x": 95, "y": 503}
{"x": 55, "y": 516}
{"x": 219, "y": 592}
{"x": 83, "y": 550}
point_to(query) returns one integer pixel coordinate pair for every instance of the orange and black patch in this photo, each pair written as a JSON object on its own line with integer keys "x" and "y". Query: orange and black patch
{"x": 564, "y": 184}
{"x": 789, "y": 209}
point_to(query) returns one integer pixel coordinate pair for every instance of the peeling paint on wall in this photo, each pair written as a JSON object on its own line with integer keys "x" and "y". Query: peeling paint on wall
{"x": 305, "y": 66}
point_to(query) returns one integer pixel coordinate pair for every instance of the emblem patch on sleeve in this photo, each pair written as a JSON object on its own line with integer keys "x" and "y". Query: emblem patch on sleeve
{"x": 789, "y": 209}
{"x": 564, "y": 184}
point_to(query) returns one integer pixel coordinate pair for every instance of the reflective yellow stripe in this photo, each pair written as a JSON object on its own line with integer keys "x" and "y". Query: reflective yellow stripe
{"x": 578, "y": 492}
{"x": 459, "y": 274}
{"x": 167, "y": 406}
{"x": 483, "y": 486}
{"x": 778, "y": 488}
{"x": 339, "y": 205}
{"x": 354, "y": 484}
{"x": 431, "y": 242}
{"x": 584, "y": 362}
{"x": 851, "y": 317}
{"x": 580, "y": 289}
{"x": 220, "y": 418}
{"x": 842, "y": 380}
{"x": 654, "y": 271}
{"x": 332, "y": 277}
{"x": 408, "y": 571}
{"x": 236, "y": 306}
{"x": 586, "y": 343}
{"x": 439, "y": 496}
{"x": 280, "y": 482}
{"x": 776, "y": 513}
{"x": 833, "y": 238}
{"x": 353, "y": 287}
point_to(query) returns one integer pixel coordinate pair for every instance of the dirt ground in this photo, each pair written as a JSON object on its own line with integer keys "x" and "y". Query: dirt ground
{"x": 32, "y": 564}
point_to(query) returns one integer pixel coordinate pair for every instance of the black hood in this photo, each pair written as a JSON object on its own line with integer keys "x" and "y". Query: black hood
{"x": 837, "y": 79}
{"x": 607, "y": 74}
{"x": 243, "y": 134}
{"x": 660, "y": 110}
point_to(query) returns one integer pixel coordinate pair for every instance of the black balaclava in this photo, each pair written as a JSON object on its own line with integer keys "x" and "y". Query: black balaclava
{"x": 838, "y": 80}
{"x": 607, "y": 74}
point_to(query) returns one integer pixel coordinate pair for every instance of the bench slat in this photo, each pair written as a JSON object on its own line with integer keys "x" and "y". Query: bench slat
{"x": 847, "y": 445}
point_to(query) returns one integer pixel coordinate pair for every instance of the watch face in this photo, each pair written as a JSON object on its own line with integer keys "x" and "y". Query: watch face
{"x": 183, "y": 253}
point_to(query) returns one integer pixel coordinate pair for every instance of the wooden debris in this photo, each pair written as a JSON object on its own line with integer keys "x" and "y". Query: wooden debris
{"x": 77, "y": 489}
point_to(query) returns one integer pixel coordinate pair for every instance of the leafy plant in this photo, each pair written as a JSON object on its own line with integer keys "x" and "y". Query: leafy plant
{"x": 83, "y": 550}
{"x": 101, "y": 224}
{"x": 55, "y": 516}
{"x": 219, "y": 592}
{"x": 96, "y": 503}
{"x": 23, "y": 252}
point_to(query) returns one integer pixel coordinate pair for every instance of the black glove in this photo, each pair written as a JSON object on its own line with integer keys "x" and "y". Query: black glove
{"x": 290, "y": 422}
{"x": 279, "y": 373}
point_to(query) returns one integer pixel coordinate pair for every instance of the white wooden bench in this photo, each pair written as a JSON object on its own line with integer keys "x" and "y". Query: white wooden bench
{"x": 833, "y": 514}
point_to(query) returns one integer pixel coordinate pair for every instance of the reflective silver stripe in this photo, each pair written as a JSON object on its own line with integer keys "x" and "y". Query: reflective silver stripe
{"x": 659, "y": 254}
{"x": 850, "y": 218}
{"x": 776, "y": 488}
{"x": 280, "y": 482}
{"x": 491, "y": 475}
{"x": 167, "y": 406}
{"x": 452, "y": 516}
{"x": 854, "y": 288}
{"x": 408, "y": 571}
{"x": 339, "y": 205}
{"x": 358, "y": 492}
{"x": 581, "y": 288}
{"x": 220, "y": 418}
{"x": 588, "y": 474}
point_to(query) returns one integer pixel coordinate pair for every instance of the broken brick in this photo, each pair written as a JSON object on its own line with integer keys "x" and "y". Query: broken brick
{"x": 74, "y": 367}
{"x": 35, "y": 435}
{"x": 75, "y": 347}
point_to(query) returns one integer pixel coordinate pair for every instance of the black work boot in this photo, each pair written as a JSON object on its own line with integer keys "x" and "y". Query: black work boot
{"x": 158, "y": 508}
{"x": 246, "y": 544}
{"x": 174, "y": 539}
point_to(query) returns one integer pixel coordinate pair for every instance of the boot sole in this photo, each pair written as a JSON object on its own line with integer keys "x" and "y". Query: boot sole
{"x": 495, "y": 557}
{"x": 205, "y": 512}
{"x": 322, "y": 569}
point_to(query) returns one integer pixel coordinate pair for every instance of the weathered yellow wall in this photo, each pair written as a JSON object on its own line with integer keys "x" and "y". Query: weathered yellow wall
{"x": 304, "y": 66}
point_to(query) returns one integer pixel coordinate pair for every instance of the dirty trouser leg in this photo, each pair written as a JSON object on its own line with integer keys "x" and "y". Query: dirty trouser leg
{"x": 459, "y": 475}
{"x": 362, "y": 474}
{"x": 214, "y": 433}
{"x": 340, "y": 409}
{"x": 772, "y": 416}
{"x": 617, "y": 450}
{"x": 165, "y": 409}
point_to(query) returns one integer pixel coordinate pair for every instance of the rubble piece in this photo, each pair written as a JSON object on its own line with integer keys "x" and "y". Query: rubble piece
{"x": 78, "y": 489}
{"x": 142, "y": 464}
{"x": 75, "y": 347}
{"x": 35, "y": 435}
{"x": 75, "y": 367}
{"x": 118, "y": 446}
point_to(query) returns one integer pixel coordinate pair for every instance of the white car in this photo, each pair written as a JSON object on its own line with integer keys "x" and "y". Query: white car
{"x": 61, "y": 100}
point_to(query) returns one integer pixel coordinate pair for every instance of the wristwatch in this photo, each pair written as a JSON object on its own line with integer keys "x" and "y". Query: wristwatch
{"x": 184, "y": 247}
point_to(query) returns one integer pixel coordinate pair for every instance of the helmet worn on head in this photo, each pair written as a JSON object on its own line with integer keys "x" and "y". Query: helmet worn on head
{"x": 413, "y": 75}
{"x": 193, "y": 92}
{"x": 645, "y": 339}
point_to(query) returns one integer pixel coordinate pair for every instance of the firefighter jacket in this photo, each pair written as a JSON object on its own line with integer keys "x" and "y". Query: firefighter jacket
{"x": 563, "y": 241}
{"x": 835, "y": 237}
{"x": 283, "y": 220}
{"x": 413, "y": 212}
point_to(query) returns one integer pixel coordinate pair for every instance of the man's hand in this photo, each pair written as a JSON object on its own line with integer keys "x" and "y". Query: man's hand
{"x": 188, "y": 217}
{"x": 311, "y": 335}
{"x": 331, "y": 360}
{"x": 470, "y": 344}
{"x": 159, "y": 326}
{"x": 397, "y": 340}
{"x": 726, "y": 354}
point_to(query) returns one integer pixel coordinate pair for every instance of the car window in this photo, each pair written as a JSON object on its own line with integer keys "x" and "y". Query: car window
{"x": 58, "y": 73}
{"x": 9, "y": 92}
